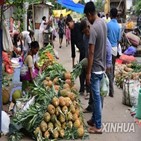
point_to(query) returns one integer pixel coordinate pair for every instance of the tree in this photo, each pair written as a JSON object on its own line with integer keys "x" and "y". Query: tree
{"x": 138, "y": 6}
{"x": 99, "y": 5}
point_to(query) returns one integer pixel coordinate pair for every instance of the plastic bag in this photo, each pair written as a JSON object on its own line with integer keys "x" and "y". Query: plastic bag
{"x": 104, "y": 89}
{"x": 5, "y": 123}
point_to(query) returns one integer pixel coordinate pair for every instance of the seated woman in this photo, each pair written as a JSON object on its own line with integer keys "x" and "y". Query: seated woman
{"x": 30, "y": 68}
{"x": 18, "y": 45}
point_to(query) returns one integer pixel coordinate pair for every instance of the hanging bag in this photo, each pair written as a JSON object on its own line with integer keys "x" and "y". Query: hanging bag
{"x": 104, "y": 89}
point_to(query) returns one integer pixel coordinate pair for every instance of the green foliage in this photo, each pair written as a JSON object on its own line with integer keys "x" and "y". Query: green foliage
{"x": 99, "y": 5}
{"x": 138, "y": 6}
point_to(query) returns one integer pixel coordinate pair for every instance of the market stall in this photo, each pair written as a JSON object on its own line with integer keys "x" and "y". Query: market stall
{"x": 51, "y": 108}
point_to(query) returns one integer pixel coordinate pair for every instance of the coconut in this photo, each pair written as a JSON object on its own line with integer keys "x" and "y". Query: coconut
{"x": 77, "y": 123}
{"x": 62, "y": 101}
{"x": 51, "y": 109}
{"x": 62, "y": 118}
{"x": 55, "y": 81}
{"x": 50, "y": 83}
{"x": 53, "y": 118}
{"x": 64, "y": 125}
{"x": 58, "y": 125}
{"x": 68, "y": 101}
{"x": 66, "y": 86}
{"x": 71, "y": 95}
{"x": 69, "y": 116}
{"x": 5, "y": 96}
{"x": 45, "y": 82}
{"x": 50, "y": 126}
{"x": 67, "y": 75}
{"x": 47, "y": 117}
{"x": 62, "y": 133}
{"x": 57, "y": 111}
{"x": 70, "y": 124}
{"x": 72, "y": 108}
{"x": 55, "y": 134}
{"x": 56, "y": 87}
{"x": 47, "y": 78}
{"x": 16, "y": 95}
{"x": 43, "y": 126}
{"x": 65, "y": 109}
{"x": 63, "y": 92}
{"x": 77, "y": 111}
{"x": 37, "y": 131}
{"x": 68, "y": 81}
{"x": 75, "y": 117}
{"x": 55, "y": 101}
{"x": 80, "y": 131}
{"x": 46, "y": 135}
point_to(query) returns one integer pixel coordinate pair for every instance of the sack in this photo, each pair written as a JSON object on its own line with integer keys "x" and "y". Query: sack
{"x": 135, "y": 40}
{"x": 104, "y": 89}
{"x": 130, "y": 92}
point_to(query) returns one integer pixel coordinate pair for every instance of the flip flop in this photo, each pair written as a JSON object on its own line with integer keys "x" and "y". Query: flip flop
{"x": 92, "y": 130}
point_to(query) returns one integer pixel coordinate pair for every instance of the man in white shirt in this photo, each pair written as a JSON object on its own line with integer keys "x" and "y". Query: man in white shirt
{"x": 27, "y": 38}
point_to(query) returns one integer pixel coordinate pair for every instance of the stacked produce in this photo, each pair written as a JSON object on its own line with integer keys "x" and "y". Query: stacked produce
{"x": 7, "y": 63}
{"x": 56, "y": 112}
{"x": 129, "y": 71}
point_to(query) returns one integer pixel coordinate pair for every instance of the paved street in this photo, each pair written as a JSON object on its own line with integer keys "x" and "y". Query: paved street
{"x": 114, "y": 111}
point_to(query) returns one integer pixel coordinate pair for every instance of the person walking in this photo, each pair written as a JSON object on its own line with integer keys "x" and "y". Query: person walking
{"x": 96, "y": 63}
{"x": 61, "y": 26}
{"x": 77, "y": 40}
{"x": 114, "y": 36}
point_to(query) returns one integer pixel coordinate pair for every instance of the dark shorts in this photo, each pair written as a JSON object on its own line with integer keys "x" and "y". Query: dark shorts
{"x": 61, "y": 36}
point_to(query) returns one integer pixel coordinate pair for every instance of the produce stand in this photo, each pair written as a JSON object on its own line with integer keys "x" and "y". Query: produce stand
{"x": 51, "y": 109}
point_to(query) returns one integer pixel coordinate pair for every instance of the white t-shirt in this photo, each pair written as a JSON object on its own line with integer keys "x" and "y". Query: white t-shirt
{"x": 27, "y": 40}
{"x": 42, "y": 26}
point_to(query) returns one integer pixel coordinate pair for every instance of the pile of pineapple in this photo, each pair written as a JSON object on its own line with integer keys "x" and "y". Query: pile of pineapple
{"x": 63, "y": 114}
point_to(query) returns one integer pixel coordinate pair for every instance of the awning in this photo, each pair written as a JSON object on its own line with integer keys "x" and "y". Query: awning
{"x": 69, "y": 4}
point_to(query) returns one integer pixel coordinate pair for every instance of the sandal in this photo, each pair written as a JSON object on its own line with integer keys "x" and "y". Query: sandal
{"x": 93, "y": 130}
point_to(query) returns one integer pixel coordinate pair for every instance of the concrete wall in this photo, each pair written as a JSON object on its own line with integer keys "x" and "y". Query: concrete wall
{"x": 40, "y": 11}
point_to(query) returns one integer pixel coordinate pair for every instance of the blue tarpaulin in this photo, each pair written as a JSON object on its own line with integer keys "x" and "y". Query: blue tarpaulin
{"x": 72, "y": 6}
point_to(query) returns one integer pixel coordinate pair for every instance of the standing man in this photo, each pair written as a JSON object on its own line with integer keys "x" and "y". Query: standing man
{"x": 27, "y": 38}
{"x": 96, "y": 63}
{"x": 61, "y": 26}
{"x": 114, "y": 35}
{"x": 77, "y": 39}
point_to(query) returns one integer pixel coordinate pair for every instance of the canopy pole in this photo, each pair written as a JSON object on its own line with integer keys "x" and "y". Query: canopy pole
{"x": 1, "y": 46}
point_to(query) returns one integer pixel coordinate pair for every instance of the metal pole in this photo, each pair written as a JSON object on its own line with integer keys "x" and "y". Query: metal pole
{"x": 1, "y": 46}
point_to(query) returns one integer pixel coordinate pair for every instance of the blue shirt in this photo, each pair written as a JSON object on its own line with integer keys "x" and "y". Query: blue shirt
{"x": 114, "y": 32}
{"x": 108, "y": 53}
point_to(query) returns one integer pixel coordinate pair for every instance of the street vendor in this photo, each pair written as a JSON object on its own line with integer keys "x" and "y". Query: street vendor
{"x": 30, "y": 68}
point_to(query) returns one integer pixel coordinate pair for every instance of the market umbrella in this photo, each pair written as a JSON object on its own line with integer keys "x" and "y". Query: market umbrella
{"x": 77, "y": 7}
